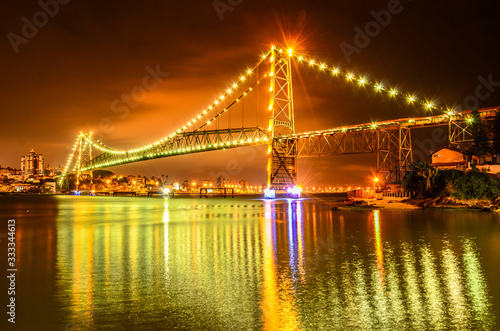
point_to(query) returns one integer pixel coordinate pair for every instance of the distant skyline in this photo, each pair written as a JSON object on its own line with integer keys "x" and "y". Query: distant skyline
{"x": 77, "y": 63}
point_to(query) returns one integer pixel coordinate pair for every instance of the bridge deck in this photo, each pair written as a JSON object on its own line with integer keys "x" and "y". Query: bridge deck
{"x": 351, "y": 139}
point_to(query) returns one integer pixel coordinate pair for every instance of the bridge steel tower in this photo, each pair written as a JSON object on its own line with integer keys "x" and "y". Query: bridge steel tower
{"x": 394, "y": 153}
{"x": 282, "y": 155}
{"x": 84, "y": 156}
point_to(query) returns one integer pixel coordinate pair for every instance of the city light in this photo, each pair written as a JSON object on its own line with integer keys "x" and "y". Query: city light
{"x": 269, "y": 193}
{"x": 294, "y": 192}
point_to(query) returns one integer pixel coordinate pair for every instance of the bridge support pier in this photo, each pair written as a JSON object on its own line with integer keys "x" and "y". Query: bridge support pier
{"x": 283, "y": 165}
{"x": 394, "y": 153}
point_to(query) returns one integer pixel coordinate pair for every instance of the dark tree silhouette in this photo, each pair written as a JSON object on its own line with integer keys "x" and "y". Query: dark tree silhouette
{"x": 480, "y": 146}
{"x": 496, "y": 136}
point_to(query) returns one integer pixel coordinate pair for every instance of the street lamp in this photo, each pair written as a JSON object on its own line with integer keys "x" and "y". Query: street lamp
{"x": 375, "y": 181}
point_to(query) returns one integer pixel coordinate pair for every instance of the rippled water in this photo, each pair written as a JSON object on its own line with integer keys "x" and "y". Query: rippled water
{"x": 123, "y": 263}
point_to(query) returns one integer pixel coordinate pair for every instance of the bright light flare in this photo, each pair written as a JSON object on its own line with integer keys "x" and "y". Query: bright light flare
{"x": 294, "y": 192}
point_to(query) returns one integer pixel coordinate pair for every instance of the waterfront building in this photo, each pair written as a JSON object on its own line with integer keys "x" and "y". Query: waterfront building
{"x": 450, "y": 158}
{"x": 32, "y": 164}
{"x": 243, "y": 184}
{"x": 51, "y": 171}
{"x": 221, "y": 181}
{"x": 9, "y": 172}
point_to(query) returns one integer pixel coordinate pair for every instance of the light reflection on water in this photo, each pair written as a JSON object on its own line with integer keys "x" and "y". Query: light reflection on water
{"x": 122, "y": 263}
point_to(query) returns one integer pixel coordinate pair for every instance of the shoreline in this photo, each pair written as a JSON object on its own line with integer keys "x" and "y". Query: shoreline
{"x": 386, "y": 203}
{"x": 410, "y": 204}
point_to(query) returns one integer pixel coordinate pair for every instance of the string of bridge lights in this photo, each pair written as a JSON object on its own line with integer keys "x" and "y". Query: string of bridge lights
{"x": 104, "y": 148}
{"x": 183, "y": 150}
{"x": 178, "y": 151}
{"x": 363, "y": 81}
{"x": 70, "y": 158}
{"x": 230, "y": 89}
{"x": 233, "y": 103}
{"x": 79, "y": 160}
{"x": 233, "y": 87}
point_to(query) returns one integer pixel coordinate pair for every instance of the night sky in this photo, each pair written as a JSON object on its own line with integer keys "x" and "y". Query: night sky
{"x": 66, "y": 76}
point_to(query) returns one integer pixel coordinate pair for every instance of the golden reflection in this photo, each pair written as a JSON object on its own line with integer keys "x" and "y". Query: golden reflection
{"x": 477, "y": 289}
{"x": 229, "y": 270}
{"x": 350, "y": 309}
{"x": 107, "y": 253}
{"x": 395, "y": 293}
{"x": 454, "y": 285}
{"x": 296, "y": 239}
{"x": 300, "y": 236}
{"x": 379, "y": 249}
{"x": 270, "y": 298}
{"x": 363, "y": 295}
{"x": 166, "y": 250}
{"x": 342, "y": 232}
{"x": 278, "y": 302}
{"x": 378, "y": 277}
{"x": 432, "y": 288}
{"x": 77, "y": 257}
{"x": 411, "y": 279}
{"x": 288, "y": 313}
{"x": 133, "y": 256}
{"x": 291, "y": 239}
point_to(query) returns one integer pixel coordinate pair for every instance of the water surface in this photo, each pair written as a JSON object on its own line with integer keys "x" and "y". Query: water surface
{"x": 120, "y": 263}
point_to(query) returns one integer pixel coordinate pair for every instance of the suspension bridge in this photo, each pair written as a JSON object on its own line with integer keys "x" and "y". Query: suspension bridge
{"x": 389, "y": 140}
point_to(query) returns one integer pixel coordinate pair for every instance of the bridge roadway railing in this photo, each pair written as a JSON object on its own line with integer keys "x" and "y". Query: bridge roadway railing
{"x": 362, "y": 138}
{"x": 184, "y": 143}
{"x": 353, "y": 139}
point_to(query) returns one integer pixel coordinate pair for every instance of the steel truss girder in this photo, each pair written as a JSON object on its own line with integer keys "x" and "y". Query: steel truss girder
{"x": 393, "y": 147}
{"x": 460, "y": 132}
{"x": 394, "y": 153}
{"x": 185, "y": 143}
{"x": 354, "y": 142}
{"x": 460, "y": 129}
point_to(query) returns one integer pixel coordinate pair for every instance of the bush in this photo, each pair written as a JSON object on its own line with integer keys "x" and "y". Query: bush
{"x": 469, "y": 185}
{"x": 475, "y": 185}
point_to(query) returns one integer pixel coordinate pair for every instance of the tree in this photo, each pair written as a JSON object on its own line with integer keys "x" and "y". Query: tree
{"x": 496, "y": 136}
{"x": 480, "y": 146}
{"x": 420, "y": 179}
{"x": 427, "y": 172}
